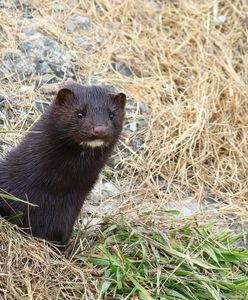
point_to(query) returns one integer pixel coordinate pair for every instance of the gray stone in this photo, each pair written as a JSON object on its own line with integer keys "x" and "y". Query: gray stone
{"x": 152, "y": 4}
{"x": 28, "y": 26}
{"x": 169, "y": 87}
{"x": 16, "y": 64}
{"x": 49, "y": 88}
{"x": 143, "y": 109}
{"x": 43, "y": 67}
{"x": 84, "y": 43}
{"x": 10, "y": 4}
{"x": 219, "y": 20}
{"x": 41, "y": 106}
{"x": 136, "y": 144}
{"x": 122, "y": 69}
{"x": 103, "y": 191}
{"x": 89, "y": 44}
{"x": 47, "y": 78}
{"x": 99, "y": 40}
{"x": 133, "y": 126}
{"x": 91, "y": 221}
{"x": 78, "y": 22}
{"x": 25, "y": 46}
{"x": 187, "y": 207}
{"x": 58, "y": 7}
{"x": 92, "y": 79}
{"x": 28, "y": 12}
{"x": 39, "y": 55}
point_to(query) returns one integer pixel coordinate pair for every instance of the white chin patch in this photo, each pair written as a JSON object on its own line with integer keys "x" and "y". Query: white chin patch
{"x": 93, "y": 144}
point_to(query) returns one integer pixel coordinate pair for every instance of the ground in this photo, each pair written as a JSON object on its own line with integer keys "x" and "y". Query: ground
{"x": 183, "y": 66}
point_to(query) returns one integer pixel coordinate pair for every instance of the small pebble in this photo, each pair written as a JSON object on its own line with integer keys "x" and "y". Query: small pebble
{"x": 220, "y": 19}
{"x": 122, "y": 69}
{"x": 133, "y": 126}
{"x": 78, "y": 22}
{"x": 49, "y": 88}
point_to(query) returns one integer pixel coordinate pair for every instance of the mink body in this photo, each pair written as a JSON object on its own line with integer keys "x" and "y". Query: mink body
{"x": 59, "y": 160}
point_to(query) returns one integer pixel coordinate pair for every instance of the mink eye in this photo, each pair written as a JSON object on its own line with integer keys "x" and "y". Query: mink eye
{"x": 81, "y": 114}
{"x": 111, "y": 116}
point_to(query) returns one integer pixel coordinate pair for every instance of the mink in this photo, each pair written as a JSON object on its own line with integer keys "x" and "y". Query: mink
{"x": 59, "y": 160}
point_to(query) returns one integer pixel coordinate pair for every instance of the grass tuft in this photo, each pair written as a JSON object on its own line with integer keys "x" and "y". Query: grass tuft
{"x": 185, "y": 262}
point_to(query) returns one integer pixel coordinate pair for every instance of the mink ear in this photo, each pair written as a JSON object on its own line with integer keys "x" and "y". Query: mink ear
{"x": 120, "y": 98}
{"x": 64, "y": 95}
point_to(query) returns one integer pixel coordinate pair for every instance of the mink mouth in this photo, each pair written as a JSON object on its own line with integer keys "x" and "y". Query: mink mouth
{"x": 94, "y": 143}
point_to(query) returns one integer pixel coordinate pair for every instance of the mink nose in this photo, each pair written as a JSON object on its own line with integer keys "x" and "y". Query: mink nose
{"x": 100, "y": 131}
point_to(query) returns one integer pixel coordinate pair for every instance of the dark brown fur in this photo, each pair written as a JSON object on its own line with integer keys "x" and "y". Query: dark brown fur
{"x": 51, "y": 169}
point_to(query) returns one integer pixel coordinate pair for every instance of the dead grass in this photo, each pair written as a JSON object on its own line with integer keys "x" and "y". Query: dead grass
{"x": 31, "y": 270}
{"x": 188, "y": 96}
{"x": 191, "y": 73}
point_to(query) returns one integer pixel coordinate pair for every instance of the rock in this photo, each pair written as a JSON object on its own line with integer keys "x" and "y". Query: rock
{"x": 42, "y": 67}
{"x": 84, "y": 43}
{"x": 47, "y": 78}
{"x": 212, "y": 201}
{"x": 99, "y": 40}
{"x": 103, "y": 191}
{"x": 152, "y": 4}
{"x": 41, "y": 106}
{"x": 186, "y": 208}
{"x": 10, "y": 4}
{"x": 109, "y": 207}
{"x": 100, "y": 209}
{"x": 16, "y": 64}
{"x": 133, "y": 126}
{"x": 122, "y": 69}
{"x": 143, "y": 109}
{"x": 136, "y": 144}
{"x": 92, "y": 79}
{"x": 27, "y": 11}
{"x": 49, "y": 88}
{"x": 58, "y": 7}
{"x": 66, "y": 68}
{"x": 169, "y": 87}
{"x": 92, "y": 222}
{"x": 239, "y": 226}
{"x": 39, "y": 55}
{"x": 78, "y": 22}
{"x": 89, "y": 44}
{"x": 28, "y": 26}
{"x": 219, "y": 20}
{"x": 25, "y": 46}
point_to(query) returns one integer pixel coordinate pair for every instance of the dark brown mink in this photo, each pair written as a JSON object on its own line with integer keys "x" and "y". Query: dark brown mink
{"x": 59, "y": 160}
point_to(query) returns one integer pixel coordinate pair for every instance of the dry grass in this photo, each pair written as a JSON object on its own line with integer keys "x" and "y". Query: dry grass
{"x": 188, "y": 96}
{"x": 30, "y": 270}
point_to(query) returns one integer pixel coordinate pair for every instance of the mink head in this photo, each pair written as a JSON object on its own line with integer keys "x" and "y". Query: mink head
{"x": 88, "y": 116}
